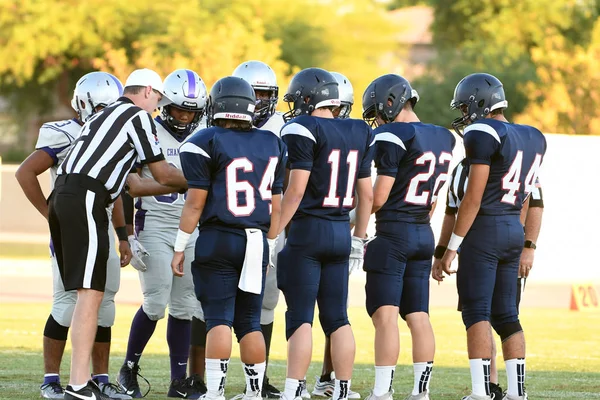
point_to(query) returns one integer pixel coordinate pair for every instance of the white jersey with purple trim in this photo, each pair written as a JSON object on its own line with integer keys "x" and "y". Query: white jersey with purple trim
{"x": 162, "y": 212}
{"x": 56, "y": 138}
{"x": 274, "y": 124}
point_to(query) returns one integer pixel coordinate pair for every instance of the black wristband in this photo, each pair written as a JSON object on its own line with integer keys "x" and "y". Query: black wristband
{"x": 439, "y": 252}
{"x": 121, "y": 233}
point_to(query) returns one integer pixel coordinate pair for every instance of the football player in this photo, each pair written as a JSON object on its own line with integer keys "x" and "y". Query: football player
{"x": 503, "y": 160}
{"x": 330, "y": 163}
{"x": 412, "y": 160}
{"x": 325, "y": 383}
{"x": 264, "y": 82}
{"x": 235, "y": 177}
{"x": 531, "y": 218}
{"x": 92, "y": 92}
{"x": 156, "y": 221}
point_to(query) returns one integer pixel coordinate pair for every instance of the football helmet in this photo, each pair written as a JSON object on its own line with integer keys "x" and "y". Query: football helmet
{"x": 261, "y": 77}
{"x": 477, "y": 95}
{"x": 96, "y": 89}
{"x": 346, "y": 92}
{"x": 385, "y": 97}
{"x": 310, "y": 89}
{"x": 187, "y": 92}
{"x": 231, "y": 98}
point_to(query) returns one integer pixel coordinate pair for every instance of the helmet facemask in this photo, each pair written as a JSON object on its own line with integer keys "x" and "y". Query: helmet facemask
{"x": 265, "y": 108}
{"x": 179, "y": 127}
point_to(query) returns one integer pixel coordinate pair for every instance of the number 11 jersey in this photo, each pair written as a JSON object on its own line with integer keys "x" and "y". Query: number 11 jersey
{"x": 337, "y": 152}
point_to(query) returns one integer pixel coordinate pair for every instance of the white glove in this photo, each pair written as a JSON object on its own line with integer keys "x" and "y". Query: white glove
{"x": 356, "y": 254}
{"x": 272, "y": 245}
{"x": 138, "y": 252}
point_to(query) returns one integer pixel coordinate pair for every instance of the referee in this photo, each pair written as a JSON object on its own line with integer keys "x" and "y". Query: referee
{"x": 90, "y": 178}
{"x": 531, "y": 218}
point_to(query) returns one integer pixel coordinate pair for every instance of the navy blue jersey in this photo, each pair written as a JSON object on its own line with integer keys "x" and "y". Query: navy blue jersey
{"x": 418, "y": 156}
{"x": 337, "y": 152}
{"x": 240, "y": 170}
{"x": 514, "y": 154}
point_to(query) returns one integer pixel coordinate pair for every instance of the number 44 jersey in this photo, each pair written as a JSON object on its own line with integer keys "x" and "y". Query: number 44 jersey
{"x": 418, "y": 156}
{"x": 241, "y": 170}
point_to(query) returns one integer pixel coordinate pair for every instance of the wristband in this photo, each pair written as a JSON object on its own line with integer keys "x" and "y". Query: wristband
{"x": 121, "y": 233}
{"x": 455, "y": 242}
{"x": 352, "y": 215}
{"x": 181, "y": 240}
{"x": 439, "y": 252}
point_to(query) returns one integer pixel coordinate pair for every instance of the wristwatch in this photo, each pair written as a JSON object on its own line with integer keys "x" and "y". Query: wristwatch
{"x": 529, "y": 245}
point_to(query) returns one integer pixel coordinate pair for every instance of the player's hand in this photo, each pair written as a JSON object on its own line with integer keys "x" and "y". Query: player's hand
{"x": 356, "y": 254}
{"x": 133, "y": 181}
{"x": 177, "y": 263}
{"x": 272, "y": 251}
{"x": 526, "y": 262}
{"x": 436, "y": 270}
{"x": 446, "y": 261}
{"x": 125, "y": 252}
{"x": 138, "y": 253}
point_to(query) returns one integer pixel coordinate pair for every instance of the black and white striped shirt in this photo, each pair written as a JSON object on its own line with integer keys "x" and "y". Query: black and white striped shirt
{"x": 109, "y": 144}
{"x": 458, "y": 185}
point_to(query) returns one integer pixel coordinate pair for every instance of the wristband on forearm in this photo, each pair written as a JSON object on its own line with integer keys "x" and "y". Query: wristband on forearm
{"x": 439, "y": 252}
{"x": 455, "y": 242}
{"x": 181, "y": 240}
{"x": 121, "y": 233}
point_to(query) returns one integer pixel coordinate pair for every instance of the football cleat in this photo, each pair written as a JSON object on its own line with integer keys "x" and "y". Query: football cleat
{"x": 495, "y": 391}
{"x": 248, "y": 396}
{"x": 421, "y": 396}
{"x": 52, "y": 390}
{"x": 304, "y": 393}
{"x": 507, "y": 397}
{"x": 127, "y": 380}
{"x": 269, "y": 391}
{"x": 219, "y": 396}
{"x": 184, "y": 388}
{"x": 326, "y": 388}
{"x": 112, "y": 391}
{"x": 387, "y": 396}
{"x": 476, "y": 397}
{"x": 90, "y": 391}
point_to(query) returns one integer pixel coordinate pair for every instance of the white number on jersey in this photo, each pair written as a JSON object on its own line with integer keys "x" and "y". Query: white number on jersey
{"x": 234, "y": 186}
{"x": 510, "y": 181}
{"x": 334, "y": 159}
{"x": 423, "y": 198}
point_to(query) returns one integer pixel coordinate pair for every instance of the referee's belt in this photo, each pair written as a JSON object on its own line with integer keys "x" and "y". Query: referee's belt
{"x": 85, "y": 182}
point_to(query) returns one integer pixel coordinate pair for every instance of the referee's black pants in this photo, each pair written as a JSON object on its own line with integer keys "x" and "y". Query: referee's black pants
{"x": 79, "y": 229}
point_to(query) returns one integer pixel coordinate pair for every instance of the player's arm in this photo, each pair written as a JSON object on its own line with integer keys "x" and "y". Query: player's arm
{"x": 480, "y": 146}
{"x": 364, "y": 194}
{"x": 532, "y": 226}
{"x": 118, "y": 220}
{"x": 167, "y": 175}
{"x": 275, "y": 216}
{"x": 293, "y": 196}
{"x": 389, "y": 152}
{"x": 139, "y": 187}
{"x": 446, "y": 231}
{"x": 27, "y": 173}
{"x": 381, "y": 191}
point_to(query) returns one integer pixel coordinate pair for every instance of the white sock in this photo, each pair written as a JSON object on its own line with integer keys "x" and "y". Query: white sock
{"x": 293, "y": 388}
{"x": 77, "y": 388}
{"x": 515, "y": 373}
{"x": 480, "y": 376}
{"x": 384, "y": 377}
{"x": 255, "y": 373}
{"x": 216, "y": 373}
{"x": 341, "y": 389}
{"x": 422, "y": 374}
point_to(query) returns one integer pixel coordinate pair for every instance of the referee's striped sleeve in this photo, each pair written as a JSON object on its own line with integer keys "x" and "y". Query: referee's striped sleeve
{"x": 145, "y": 139}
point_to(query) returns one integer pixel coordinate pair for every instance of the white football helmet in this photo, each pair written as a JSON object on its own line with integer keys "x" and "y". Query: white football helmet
{"x": 261, "y": 77}
{"x": 96, "y": 89}
{"x": 346, "y": 94}
{"x": 187, "y": 91}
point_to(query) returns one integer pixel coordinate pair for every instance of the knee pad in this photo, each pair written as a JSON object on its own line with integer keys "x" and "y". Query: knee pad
{"x": 243, "y": 329}
{"x": 198, "y": 332}
{"x": 331, "y": 323}
{"x": 506, "y": 330}
{"x": 63, "y": 306}
{"x": 103, "y": 334}
{"x": 54, "y": 330}
{"x": 155, "y": 310}
{"x": 106, "y": 313}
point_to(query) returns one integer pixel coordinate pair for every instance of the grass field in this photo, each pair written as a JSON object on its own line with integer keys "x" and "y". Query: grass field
{"x": 563, "y": 354}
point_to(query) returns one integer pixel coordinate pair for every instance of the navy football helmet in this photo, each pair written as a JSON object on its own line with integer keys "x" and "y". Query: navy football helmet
{"x": 231, "y": 98}
{"x": 310, "y": 89}
{"x": 385, "y": 97}
{"x": 477, "y": 95}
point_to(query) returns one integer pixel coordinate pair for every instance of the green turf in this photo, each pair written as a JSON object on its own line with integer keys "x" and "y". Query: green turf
{"x": 563, "y": 357}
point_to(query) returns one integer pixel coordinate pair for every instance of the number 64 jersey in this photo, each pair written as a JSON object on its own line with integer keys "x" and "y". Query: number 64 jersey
{"x": 241, "y": 171}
